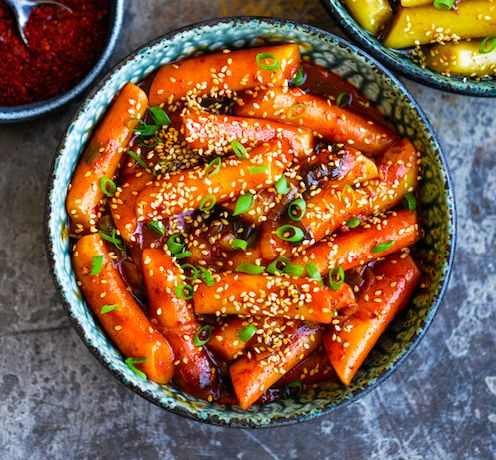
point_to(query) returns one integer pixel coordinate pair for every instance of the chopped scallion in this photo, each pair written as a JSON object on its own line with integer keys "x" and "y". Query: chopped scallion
{"x": 381, "y": 247}
{"x": 107, "y": 186}
{"x": 272, "y": 64}
{"x": 236, "y": 243}
{"x": 251, "y": 269}
{"x": 96, "y": 265}
{"x": 247, "y": 333}
{"x": 243, "y": 204}
{"x": 290, "y": 233}
{"x": 159, "y": 116}
{"x": 336, "y": 278}
{"x": 239, "y": 150}
{"x": 131, "y": 363}
{"x": 202, "y": 335}
{"x": 157, "y": 226}
{"x": 208, "y": 203}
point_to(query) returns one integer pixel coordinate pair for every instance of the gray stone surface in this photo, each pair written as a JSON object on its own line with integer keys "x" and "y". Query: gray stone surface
{"x": 56, "y": 401}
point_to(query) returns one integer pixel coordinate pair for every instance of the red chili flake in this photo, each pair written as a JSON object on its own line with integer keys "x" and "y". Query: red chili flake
{"x": 63, "y": 47}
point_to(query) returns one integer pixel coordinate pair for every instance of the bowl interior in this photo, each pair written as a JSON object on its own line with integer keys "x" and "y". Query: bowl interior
{"x": 37, "y": 109}
{"x": 401, "y": 63}
{"x": 384, "y": 91}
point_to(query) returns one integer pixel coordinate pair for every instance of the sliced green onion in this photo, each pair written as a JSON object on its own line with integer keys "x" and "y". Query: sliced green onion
{"x": 299, "y": 78}
{"x": 348, "y": 190}
{"x": 213, "y": 167}
{"x": 176, "y": 243}
{"x": 239, "y": 244}
{"x": 243, "y": 204}
{"x": 278, "y": 266}
{"x": 205, "y": 332}
{"x": 258, "y": 169}
{"x": 381, "y": 247}
{"x": 336, "y": 278}
{"x": 293, "y": 389}
{"x": 206, "y": 276}
{"x": 157, "y": 226}
{"x": 130, "y": 362}
{"x": 184, "y": 291}
{"x": 239, "y": 150}
{"x": 159, "y": 116}
{"x": 247, "y": 333}
{"x": 295, "y": 108}
{"x": 290, "y": 233}
{"x": 183, "y": 255}
{"x": 272, "y": 65}
{"x": 96, "y": 265}
{"x": 207, "y": 203}
{"x": 354, "y": 222}
{"x": 144, "y": 129}
{"x": 108, "y": 308}
{"x": 344, "y": 99}
{"x": 251, "y": 269}
{"x": 114, "y": 239}
{"x": 294, "y": 270}
{"x": 194, "y": 272}
{"x": 282, "y": 186}
{"x": 138, "y": 159}
{"x": 313, "y": 272}
{"x": 297, "y": 209}
{"x": 107, "y": 186}
{"x": 409, "y": 201}
{"x": 444, "y": 4}
{"x": 488, "y": 44}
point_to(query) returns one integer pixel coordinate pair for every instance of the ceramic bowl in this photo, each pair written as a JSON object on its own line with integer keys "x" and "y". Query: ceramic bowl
{"x": 38, "y": 109}
{"x": 401, "y": 63}
{"x": 435, "y": 253}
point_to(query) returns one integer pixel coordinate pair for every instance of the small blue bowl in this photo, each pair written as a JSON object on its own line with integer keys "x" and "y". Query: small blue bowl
{"x": 401, "y": 63}
{"x": 27, "y": 112}
{"x": 435, "y": 254}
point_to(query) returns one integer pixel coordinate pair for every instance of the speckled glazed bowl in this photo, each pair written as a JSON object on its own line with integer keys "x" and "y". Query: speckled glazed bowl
{"x": 38, "y": 109}
{"x": 435, "y": 253}
{"x": 401, "y": 63}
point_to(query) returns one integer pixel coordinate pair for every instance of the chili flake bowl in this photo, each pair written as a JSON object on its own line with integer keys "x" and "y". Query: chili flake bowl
{"x": 435, "y": 253}
{"x": 14, "y": 114}
{"x": 400, "y": 63}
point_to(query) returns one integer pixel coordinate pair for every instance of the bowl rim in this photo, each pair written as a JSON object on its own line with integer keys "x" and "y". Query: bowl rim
{"x": 412, "y": 71}
{"x": 238, "y": 421}
{"x": 26, "y": 112}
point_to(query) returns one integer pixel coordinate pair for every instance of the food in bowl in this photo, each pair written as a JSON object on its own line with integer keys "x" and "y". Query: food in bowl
{"x": 62, "y": 46}
{"x": 451, "y": 37}
{"x": 242, "y": 225}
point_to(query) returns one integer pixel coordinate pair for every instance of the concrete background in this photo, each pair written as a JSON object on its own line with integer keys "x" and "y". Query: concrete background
{"x": 56, "y": 401}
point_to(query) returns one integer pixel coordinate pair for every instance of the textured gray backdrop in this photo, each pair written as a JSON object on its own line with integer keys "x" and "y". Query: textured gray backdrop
{"x": 56, "y": 401}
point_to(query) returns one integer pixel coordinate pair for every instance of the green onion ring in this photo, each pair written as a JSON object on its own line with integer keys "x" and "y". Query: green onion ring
{"x": 336, "y": 278}
{"x": 291, "y": 116}
{"x": 207, "y": 329}
{"x": 283, "y": 230}
{"x": 107, "y": 186}
{"x": 208, "y": 203}
{"x": 184, "y": 291}
{"x": 247, "y": 333}
{"x": 267, "y": 56}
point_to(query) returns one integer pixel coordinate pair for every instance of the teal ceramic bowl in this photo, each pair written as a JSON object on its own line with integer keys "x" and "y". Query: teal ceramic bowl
{"x": 401, "y": 63}
{"x": 435, "y": 253}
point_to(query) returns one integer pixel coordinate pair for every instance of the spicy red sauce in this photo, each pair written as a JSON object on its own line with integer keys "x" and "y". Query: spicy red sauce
{"x": 63, "y": 47}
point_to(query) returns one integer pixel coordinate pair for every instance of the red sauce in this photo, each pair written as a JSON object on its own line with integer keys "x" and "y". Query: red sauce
{"x": 63, "y": 47}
